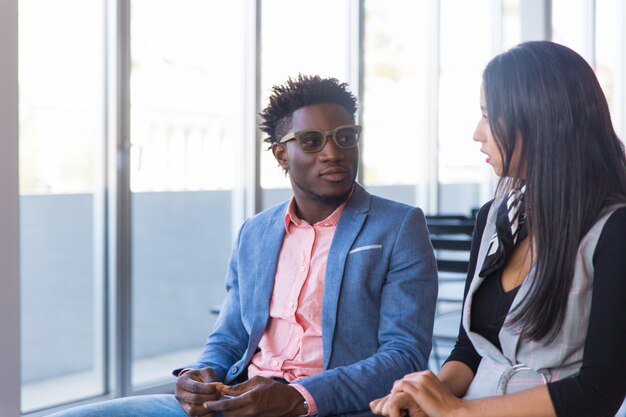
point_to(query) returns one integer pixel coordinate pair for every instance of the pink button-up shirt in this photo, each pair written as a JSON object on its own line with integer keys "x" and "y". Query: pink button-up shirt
{"x": 291, "y": 346}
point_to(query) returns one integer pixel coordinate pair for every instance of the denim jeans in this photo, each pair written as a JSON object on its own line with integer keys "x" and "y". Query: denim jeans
{"x": 160, "y": 405}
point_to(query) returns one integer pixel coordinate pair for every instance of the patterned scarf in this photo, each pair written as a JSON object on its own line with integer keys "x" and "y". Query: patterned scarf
{"x": 510, "y": 228}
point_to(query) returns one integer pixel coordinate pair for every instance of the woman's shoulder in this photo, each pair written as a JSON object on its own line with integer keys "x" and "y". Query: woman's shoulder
{"x": 619, "y": 215}
{"x": 611, "y": 217}
{"x": 615, "y": 226}
{"x": 612, "y": 239}
{"x": 485, "y": 208}
{"x": 481, "y": 217}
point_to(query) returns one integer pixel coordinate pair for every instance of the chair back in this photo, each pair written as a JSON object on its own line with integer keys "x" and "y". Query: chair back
{"x": 451, "y": 237}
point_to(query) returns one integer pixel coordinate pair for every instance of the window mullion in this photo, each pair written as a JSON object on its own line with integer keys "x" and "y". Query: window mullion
{"x": 119, "y": 199}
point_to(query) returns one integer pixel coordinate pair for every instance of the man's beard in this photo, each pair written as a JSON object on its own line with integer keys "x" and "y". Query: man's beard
{"x": 327, "y": 200}
{"x": 335, "y": 200}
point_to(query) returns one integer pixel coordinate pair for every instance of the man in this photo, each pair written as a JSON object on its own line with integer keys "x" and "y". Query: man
{"x": 330, "y": 296}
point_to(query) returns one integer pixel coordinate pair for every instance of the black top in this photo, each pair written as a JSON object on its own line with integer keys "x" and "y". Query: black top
{"x": 600, "y": 386}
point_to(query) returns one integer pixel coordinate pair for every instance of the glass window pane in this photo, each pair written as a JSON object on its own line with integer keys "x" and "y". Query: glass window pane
{"x": 466, "y": 47}
{"x": 61, "y": 141}
{"x": 187, "y": 101}
{"x": 569, "y": 23}
{"x": 299, "y": 36}
{"x": 610, "y": 58}
{"x": 572, "y": 25}
{"x": 395, "y": 105}
{"x": 395, "y": 102}
{"x": 511, "y": 28}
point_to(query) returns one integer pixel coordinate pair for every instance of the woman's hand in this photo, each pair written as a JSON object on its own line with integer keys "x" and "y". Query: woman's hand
{"x": 396, "y": 404}
{"x": 429, "y": 395}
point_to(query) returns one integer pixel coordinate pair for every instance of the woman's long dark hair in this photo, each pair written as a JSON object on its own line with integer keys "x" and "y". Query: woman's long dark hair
{"x": 573, "y": 160}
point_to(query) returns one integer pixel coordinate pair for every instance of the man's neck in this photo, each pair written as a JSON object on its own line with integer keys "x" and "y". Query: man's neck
{"x": 313, "y": 208}
{"x": 315, "y": 214}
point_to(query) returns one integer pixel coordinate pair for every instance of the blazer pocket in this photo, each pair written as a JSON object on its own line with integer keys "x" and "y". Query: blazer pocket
{"x": 362, "y": 248}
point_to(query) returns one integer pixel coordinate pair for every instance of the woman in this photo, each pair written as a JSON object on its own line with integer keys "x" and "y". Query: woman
{"x": 544, "y": 317}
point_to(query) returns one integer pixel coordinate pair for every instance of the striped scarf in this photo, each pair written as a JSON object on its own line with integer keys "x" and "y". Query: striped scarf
{"x": 510, "y": 229}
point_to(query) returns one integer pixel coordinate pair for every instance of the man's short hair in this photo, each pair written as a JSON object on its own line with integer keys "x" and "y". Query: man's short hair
{"x": 297, "y": 93}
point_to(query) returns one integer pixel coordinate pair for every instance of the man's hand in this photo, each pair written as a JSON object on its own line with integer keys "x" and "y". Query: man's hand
{"x": 194, "y": 388}
{"x": 258, "y": 397}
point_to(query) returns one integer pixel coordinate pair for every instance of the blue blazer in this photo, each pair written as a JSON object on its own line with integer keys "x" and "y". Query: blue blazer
{"x": 378, "y": 309}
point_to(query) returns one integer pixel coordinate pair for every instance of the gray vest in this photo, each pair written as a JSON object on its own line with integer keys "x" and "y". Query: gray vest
{"x": 523, "y": 364}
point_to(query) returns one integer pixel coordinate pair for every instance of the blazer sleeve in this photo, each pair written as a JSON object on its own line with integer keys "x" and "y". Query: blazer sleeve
{"x": 406, "y": 315}
{"x": 227, "y": 343}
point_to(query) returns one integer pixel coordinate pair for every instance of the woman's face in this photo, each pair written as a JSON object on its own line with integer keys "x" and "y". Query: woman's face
{"x": 490, "y": 146}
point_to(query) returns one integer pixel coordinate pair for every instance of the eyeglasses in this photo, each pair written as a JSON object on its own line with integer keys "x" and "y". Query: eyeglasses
{"x": 310, "y": 140}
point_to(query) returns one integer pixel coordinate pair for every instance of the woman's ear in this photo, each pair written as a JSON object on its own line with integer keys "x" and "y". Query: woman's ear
{"x": 280, "y": 153}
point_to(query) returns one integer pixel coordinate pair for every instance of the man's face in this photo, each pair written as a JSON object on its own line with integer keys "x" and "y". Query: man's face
{"x": 325, "y": 177}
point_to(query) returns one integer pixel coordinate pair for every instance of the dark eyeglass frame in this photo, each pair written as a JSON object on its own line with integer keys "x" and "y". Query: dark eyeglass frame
{"x": 325, "y": 134}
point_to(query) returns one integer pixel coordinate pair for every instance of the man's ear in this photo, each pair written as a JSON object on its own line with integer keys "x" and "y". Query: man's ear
{"x": 280, "y": 153}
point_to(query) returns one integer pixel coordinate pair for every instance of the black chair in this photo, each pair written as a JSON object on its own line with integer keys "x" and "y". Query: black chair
{"x": 451, "y": 237}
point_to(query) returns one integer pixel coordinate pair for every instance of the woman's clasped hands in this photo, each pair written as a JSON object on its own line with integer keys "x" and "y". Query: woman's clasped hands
{"x": 420, "y": 394}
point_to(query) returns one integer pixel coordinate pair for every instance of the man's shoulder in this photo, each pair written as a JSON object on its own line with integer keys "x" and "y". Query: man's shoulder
{"x": 363, "y": 199}
{"x": 385, "y": 214}
{"x": 386, "y": 202}
{"x": 275, "y": 213}
{"x": 385, "y": 205}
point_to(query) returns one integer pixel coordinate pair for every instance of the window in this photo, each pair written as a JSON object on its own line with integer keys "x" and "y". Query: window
{"x": 594, "y": 29}
{"x": 466, "y": 47}
{"x": 396, "y": 108}
{"x": 289, "y": 46}
{"x": 187, "y": 97}
{"x": 61, "y": 223}
{"x": 193, "y": 78}
{"x": 610, "y": 59}
{"x": 572, "y": 22}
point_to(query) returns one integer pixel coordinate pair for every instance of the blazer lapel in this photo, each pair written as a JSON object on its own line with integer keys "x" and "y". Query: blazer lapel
{"x": 348, "y": 228}
{"x": 271, "y": 241}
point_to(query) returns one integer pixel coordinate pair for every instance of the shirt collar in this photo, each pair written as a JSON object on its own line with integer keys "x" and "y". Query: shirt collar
{"x": 331, "y": 220}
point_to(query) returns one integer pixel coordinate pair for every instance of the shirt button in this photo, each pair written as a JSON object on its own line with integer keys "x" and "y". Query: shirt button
{"x": 302, "y": 269}
{"x": 234, "y": 369}
{"x": 275, "y": 363}
{"x": 290, "y": 305}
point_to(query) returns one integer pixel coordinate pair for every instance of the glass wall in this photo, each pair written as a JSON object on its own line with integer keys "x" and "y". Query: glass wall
{"x": 595, "y": 29}
{"x": 396, "y": 92}
{"x": 187, "y": 100}
{"x": 289, "y": 47}
{"x": 572, "y": 22}
{"x": 61, "y": 224}
{"x": 423, "y": 63}
{"x": 610, "y": 58}
{"x": 415, "y": 65}
{"x": 470, "y": 36}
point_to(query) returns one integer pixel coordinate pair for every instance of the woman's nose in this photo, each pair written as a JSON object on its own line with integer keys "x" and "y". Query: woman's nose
{"x": 479, "y": 135}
